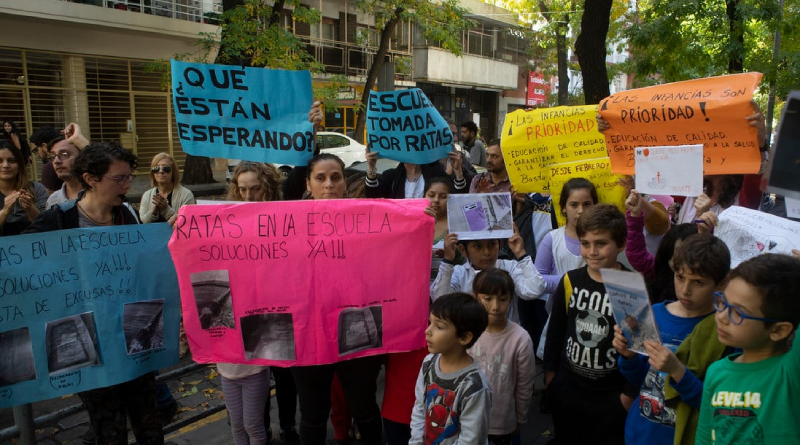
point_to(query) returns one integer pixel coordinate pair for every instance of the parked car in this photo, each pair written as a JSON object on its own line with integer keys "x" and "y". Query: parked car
{"x": 347, "y": 148}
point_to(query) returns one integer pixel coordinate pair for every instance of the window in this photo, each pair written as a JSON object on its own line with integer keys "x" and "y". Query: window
{"x": 333, "y": 141}
{"x": 324, "y": 30}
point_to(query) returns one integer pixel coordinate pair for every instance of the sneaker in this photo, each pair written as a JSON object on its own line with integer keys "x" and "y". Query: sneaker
{"x": 88, "y": 437}
{"x": 289, "y": 436}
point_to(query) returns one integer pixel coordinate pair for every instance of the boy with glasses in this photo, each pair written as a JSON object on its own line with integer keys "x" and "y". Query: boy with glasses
{"x": 669, "y": 377}
{"x": 754, "y": 396}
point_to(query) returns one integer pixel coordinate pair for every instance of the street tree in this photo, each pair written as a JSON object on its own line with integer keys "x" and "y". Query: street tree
{"x": 722, "y": 37}
{"x": 442, "y": 22}
{"x": 590, "y": 47}
{"x": 251, "y": 34}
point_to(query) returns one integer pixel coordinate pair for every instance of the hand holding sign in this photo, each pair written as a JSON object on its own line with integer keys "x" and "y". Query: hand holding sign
{"x": 405, "y": 126}
{"x": 243, "y": 113}
{"x": 703, "y": 111}
{"x": 671, "y": 170}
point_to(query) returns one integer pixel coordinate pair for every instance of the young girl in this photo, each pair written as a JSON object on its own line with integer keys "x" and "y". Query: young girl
{"x": 22, "y": 200}
{"x": 259, "y": 182}
{"x": 505, "y": 354}
{"x": 437, "y": 192}
{"x": 359, "y": 376}
{"x": 560, "y": 250}
{"x": 656, "y": 269}
{"x": 245, "y": 388}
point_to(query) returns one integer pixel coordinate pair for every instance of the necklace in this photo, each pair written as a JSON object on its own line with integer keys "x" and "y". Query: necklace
{"x": 83, "y": 212}
{"x": 416, "y": 178}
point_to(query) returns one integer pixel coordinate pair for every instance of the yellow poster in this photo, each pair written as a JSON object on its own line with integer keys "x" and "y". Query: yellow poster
{"x": 535, "y": 140}
{"x": 598, "y": 171}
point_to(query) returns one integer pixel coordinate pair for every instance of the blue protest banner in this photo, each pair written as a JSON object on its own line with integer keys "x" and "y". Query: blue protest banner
{"x": 255, "y": 114}
{"x": 85, "y": 308}
{"x": 405, "y": 126}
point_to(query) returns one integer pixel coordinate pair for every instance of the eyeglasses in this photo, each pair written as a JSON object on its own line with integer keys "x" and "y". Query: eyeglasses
{"x": 62, "y": 155}
{"x": 121, "y": 179}
{"x": 165, "y": 169}
{"x": 735, "y": 313}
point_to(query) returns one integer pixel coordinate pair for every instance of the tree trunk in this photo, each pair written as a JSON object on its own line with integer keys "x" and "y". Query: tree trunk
{"x": 590, "y": 47}
{"x": 197, "y": 169}
{"x": 736, "y": 26}
{"x": 563, "y": 68}
{"x": 372, "y": 75}
{"x": 561, "y": 52}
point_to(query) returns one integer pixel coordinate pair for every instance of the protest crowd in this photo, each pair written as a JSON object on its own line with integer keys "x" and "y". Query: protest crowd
{"x": 499, "y": 309}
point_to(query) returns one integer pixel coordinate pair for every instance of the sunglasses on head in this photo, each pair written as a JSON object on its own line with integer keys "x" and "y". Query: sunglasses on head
{"x": 165, "y": 169}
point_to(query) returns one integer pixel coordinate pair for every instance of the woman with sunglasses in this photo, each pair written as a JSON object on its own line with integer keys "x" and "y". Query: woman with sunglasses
{"x": 105, "y": 172}
{"x": 20, "y": 200}
{"x": 161, "y": 203}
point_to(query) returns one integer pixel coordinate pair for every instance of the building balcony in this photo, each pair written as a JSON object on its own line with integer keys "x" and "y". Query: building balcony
{"x": 198, "y": 11}
{"x": 144, "y": 29}
{"x": 436, "y": 65}
{"x": 355, "y": 60}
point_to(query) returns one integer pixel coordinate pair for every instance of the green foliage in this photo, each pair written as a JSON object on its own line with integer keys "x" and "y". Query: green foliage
{"x": 246, "y": 37}
{"x": 689, "y": 39}
{"x": 442, "y": 22}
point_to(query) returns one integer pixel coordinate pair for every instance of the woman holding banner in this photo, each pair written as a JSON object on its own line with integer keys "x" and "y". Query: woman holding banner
{"x": 358, "y": 377}
{"x": 105, "y": 172}
{"x": 22, "y": 200}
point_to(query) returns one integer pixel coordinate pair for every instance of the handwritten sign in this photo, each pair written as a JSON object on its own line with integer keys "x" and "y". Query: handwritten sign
{"x": 748, "y": 233}
{"x": 537, "y": 139}
{"x": 405, "y": 126}
{"x": 598, "y": 172}
{"x": 480, "y": 216}
{"x": 672, "y": 170}
{"x": 708, "y": 111}
{"x": 255, "y": 114}
{"x": 85, "y": 309}
{"x": 298, "y": 282}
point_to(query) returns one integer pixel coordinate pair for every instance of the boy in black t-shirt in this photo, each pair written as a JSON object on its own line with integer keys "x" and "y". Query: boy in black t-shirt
{"x": 583, "y": 383}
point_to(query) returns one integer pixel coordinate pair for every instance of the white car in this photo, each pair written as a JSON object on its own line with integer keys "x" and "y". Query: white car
{"x": 343, "y": 146}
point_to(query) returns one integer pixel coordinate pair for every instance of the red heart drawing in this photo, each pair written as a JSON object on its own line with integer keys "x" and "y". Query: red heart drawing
{"x": 646, "y": 152}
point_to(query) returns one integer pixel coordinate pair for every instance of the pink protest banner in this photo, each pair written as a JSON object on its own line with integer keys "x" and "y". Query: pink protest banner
{"x": 303, "y": 282}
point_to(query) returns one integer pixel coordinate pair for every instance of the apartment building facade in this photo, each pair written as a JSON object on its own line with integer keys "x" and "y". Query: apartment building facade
{"x": 86, "y": 61}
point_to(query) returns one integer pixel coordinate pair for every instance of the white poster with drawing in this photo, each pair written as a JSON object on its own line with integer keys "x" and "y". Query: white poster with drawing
{"x": 671, "y": 170}
{"x": 792, "y": 207}
{"x": 480, "y": 216}
{"x": 748, "y": 233}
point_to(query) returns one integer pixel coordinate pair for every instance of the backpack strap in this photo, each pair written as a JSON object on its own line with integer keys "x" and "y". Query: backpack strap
{"x": 567, "y": 290}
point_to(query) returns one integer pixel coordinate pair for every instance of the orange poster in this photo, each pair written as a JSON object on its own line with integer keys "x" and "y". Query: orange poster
{"x": 708, "y": 111}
